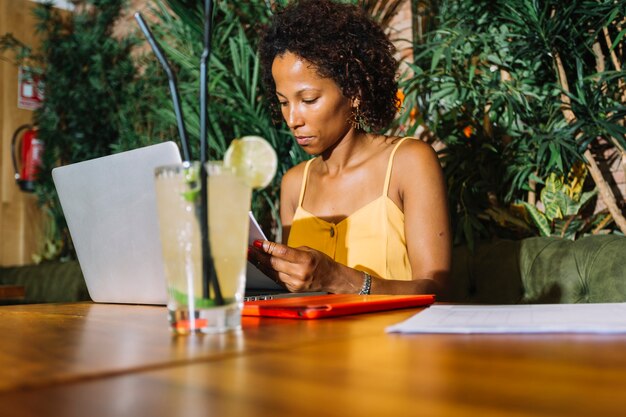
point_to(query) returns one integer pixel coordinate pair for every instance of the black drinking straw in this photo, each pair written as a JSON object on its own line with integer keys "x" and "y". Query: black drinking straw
{"x": 182, "y": 132}
{"x": 208, "y": 267}
{"x": 208, "y": 271}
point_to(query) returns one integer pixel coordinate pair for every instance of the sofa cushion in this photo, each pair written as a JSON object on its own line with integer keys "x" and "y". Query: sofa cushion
{"x": 588, "y": 270}
{"x": 541, "y": 270}
{"x": 49, "y": 282}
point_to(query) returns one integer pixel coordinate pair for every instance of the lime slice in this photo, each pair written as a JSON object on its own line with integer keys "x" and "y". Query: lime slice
{"x": 253, "y": 158}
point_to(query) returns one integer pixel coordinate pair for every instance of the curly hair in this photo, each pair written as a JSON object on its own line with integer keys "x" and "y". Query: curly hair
{"x": 344, "y": 44}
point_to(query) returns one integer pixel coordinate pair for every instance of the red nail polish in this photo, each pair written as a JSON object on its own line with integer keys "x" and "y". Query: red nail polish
{"x": 258, "y": 244}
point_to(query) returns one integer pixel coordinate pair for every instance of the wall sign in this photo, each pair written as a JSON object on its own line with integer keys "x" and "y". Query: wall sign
{"x": 30, "y": 88}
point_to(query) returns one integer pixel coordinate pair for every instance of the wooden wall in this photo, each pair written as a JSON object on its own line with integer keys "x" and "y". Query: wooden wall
{"x": 21, "y": 227}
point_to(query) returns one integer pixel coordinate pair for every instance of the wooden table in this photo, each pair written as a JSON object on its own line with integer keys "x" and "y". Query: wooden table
{"x": 118, "y": 360}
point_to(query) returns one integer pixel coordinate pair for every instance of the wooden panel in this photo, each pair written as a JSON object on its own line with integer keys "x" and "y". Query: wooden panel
{"x": 12, "y": 292}
{"x": 20, "y": 218}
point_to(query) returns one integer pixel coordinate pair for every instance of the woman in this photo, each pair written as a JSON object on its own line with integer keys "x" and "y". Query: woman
{"x": 368, "y": 213}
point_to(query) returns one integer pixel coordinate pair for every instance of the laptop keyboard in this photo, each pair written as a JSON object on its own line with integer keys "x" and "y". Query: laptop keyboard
{"x": 280, "y": 295}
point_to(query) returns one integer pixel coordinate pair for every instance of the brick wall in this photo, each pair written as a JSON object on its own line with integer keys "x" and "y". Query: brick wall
{"x": 401, "y": 32}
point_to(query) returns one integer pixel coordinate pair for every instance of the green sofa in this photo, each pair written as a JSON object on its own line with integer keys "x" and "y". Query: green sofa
{"x": 541, "y": 270}
{"x": 534, "y": 270}
{"x": 49, "y": 282}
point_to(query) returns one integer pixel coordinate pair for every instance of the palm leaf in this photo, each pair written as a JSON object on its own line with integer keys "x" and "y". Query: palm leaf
{"x": 383, "y": 11}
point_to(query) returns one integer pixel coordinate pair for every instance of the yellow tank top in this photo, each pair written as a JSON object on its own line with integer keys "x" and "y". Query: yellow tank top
{"x": 371, "y": 239}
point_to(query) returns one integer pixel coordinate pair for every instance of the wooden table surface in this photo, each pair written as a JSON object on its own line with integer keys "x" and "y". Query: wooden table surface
{"x": 120, "y": 360}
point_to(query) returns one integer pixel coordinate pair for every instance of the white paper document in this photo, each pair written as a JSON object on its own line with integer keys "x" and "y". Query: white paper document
{"x": 531, "y": 318}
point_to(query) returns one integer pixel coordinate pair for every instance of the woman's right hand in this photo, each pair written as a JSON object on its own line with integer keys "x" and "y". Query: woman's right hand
{"x": 301, "y": 269}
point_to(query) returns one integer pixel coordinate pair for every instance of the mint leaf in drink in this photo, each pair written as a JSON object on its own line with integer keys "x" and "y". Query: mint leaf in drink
{"x": 192, "y": 180}
{"x": 183, "y": 299}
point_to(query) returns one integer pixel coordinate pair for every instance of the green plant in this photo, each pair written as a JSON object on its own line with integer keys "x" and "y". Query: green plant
{"x": 517, "y": 92}
{"x": 563, "y": 200}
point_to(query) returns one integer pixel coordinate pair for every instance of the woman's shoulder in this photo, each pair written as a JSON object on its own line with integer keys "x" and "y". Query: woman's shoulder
{"x": 412, "y": 154}
{"x": 410, "y": 148}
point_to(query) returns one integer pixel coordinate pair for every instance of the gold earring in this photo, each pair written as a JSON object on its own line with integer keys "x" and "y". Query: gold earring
{"x": 357, "y": 119}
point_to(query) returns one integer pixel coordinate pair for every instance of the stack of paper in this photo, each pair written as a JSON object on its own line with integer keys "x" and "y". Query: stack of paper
{"x": 535, "y": 318}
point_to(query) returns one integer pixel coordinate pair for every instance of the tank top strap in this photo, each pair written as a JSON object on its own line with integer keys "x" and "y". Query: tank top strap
{"x": 304, "y": 181}
{"x": 390, "y": 165}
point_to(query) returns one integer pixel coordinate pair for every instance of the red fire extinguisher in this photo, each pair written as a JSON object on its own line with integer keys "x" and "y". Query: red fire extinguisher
{"x": 28, "y": 151}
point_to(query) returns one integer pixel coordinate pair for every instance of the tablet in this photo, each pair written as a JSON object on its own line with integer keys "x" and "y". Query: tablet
{"x": 332, "y": 305}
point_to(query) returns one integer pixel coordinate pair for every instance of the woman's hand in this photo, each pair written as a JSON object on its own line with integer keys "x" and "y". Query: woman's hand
{"x": 304, "y": 269}
{"x": 297, "y": 269}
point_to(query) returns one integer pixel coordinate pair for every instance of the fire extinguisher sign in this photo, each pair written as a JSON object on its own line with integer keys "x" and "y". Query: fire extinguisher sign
{"x": 30, "y": 88}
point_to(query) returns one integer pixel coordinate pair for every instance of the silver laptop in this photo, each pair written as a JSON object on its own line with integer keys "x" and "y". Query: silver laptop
{"x": 110, "y": 207}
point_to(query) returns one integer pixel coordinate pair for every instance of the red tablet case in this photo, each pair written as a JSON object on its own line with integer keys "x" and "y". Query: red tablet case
{"x": 331, "y": 305}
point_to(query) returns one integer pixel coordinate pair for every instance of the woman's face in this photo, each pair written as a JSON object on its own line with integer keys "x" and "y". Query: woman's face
{"x": 314, "y": 108}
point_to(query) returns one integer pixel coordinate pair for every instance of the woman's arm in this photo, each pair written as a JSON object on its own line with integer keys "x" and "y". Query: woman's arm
{"x": 419, "y": 187}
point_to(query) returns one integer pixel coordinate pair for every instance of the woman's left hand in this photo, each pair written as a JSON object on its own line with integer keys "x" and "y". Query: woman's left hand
{"x": 300, "y": 269}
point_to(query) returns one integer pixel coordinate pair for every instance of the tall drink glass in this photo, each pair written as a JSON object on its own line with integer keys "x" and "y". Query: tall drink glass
{"x": 178, "y": 200}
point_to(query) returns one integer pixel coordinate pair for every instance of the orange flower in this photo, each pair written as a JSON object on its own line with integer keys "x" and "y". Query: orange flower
{"x": 399, "y": 99}
{"x": 467, "y": 131}
{"x": 413, "y": 113}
